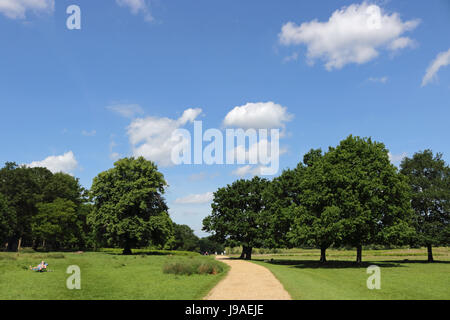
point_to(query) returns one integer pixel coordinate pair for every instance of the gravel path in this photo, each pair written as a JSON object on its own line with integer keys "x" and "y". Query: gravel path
{"x": 247, "y": 281}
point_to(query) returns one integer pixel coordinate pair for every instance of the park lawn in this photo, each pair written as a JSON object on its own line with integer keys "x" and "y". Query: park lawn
{"x": 104, "y": 276}
{"x": 405, "y": 274}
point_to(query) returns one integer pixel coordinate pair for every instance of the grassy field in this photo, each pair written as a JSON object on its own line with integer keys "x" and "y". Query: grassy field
{"x": 104, "y": 276}
{"x": 404, "y": 274}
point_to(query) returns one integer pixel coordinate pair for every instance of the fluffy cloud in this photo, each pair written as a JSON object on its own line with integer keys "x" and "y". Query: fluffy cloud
{"x": 261, "y": 115}
{"x": 17, "y": 9}
{"x": 442, "y": 60}
{"x": 63, "y": 163}
{"x": 126, "y": 110}
{"x": 154, "y": 138}
{"x": 353, "y": 34}
{"x": 196, "y": 198}
{"x": 137, "y": 7}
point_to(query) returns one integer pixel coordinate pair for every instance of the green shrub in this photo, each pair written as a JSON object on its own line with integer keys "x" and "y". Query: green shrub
{"x": 192, "y": 265}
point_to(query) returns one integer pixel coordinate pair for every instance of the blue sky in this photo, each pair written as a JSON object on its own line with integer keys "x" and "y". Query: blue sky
{"x": 73, "y": 95}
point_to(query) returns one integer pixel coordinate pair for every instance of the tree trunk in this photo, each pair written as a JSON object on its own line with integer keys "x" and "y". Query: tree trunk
{"x": 244, "y": 250}
{"x": 248, "y": 253}
{"x": 358, "y": 253}
{"x": 323, "y": 255}
{"x": 127, "y": 249}
{"x": 12, "y": 244}
{"x": 20, "y": 243}
{"x": 430, "y": 253}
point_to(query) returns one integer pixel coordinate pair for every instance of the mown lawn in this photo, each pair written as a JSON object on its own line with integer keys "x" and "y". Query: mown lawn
{"x": 405, "y": 274}
{"x": 104, "y": 276}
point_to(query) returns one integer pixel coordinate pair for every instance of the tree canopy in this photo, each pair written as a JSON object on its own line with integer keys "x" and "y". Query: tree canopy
{"x": 129, "y": 207}
{"x": 429, "y": 178}
{"x": 236, "y": 214}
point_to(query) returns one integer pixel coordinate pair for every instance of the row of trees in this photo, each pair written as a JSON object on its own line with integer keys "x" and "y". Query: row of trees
{"x": 124, "y": 208}
{"x": 350, "y": 195}
{"x": 39, "y": 208}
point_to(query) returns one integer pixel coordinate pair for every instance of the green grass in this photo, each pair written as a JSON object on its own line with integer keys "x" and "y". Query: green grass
{"x": 104, "y": 276}
{"x": 405, "y": 274}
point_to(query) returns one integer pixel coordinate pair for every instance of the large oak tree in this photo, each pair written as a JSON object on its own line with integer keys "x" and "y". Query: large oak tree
{"x": 129, "y": 207}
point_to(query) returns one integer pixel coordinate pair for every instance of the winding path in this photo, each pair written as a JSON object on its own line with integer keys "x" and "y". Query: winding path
{"x": 247, "y": 281}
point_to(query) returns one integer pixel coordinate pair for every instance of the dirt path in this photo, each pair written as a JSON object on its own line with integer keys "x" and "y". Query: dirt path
{"x": 247, "y": 281}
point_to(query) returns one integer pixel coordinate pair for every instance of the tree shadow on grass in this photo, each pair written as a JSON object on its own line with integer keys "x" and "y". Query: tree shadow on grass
{"x": 149, "y": 253}
{"x": 308, "y": 264}
{"x": 420, "y": 261}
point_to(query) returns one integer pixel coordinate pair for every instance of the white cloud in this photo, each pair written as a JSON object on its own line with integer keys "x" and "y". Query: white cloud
{"x": 442, "y": 60}
{"x": 63, "y": 163}
{"x": 196, "y": 198}
{"x": 88, "y": 133}
{"x": 127, "y": 110}
{"x": 402, "y": 43}
{"x": 378, "y": 80}
{"x": 397, "y": 158}
{"x": 114, "y": 156}
{"x": 249, "y": 170}
{"x": 252, "y": 151}
{"x": 17, "y": 9}
{"x": 353, "y": 34}
{"x": 154, "y": 138}
{"x": 260, "y": 115}
{"x": 137, "y": 7}
{"x": 243, "y": 171}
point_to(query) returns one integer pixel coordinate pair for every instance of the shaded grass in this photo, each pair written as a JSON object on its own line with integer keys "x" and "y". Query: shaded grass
{"x": 150, "y": 252}
{"x": 342, "y": 279}
{"x": 103, "y": 277}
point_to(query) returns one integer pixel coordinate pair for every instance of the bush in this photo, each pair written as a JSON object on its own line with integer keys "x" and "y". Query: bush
{"x": 193, "y": 266}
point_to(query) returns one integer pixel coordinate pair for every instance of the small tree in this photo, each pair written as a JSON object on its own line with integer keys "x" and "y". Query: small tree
{"x": 129, "y": 208}
{"x": 429, "y": 178}
{"x": 56, "y": 224}
{"x": 22, "y": 187}
{"x": 236, "y": 214}
{"x": 209, "y": 245}
{"x": 184, "y": 238}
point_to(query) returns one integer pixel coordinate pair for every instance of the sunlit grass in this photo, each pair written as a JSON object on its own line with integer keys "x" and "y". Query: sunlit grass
{"x": 405, "y": 274}
{"x": 103, "y": 276}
